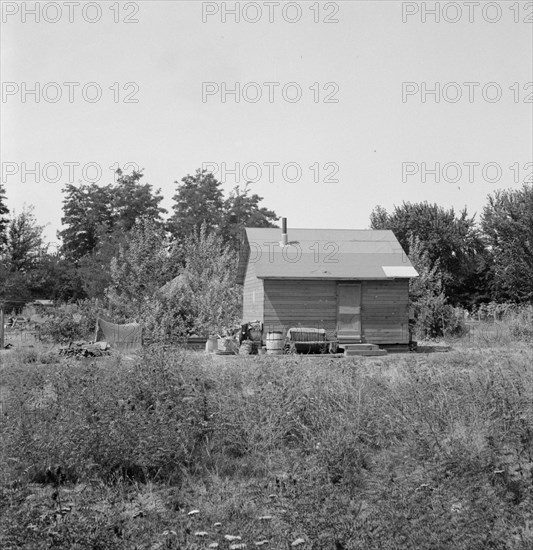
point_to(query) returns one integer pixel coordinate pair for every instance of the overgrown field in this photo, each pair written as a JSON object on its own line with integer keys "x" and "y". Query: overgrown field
{"x": 411, "y": 451}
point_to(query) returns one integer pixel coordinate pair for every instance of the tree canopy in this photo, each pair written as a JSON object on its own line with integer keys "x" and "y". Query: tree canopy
{"x": 199, "y": 202}
{"x": 242, "y": 209}
{"x": 198, "y": 295}
{"x": 25, "y": 244}
{"x": 140, "y": 267}
{"x": 91, "y": 211}
{"x": 507, "y": 222}
{"x": 22, "y": 257}
{"x": 117, "y": 247}
{"x": 454, "y": 240}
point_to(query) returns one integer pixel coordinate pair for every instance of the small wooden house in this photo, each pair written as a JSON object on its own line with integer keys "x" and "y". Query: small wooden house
{"x": 352, "y": 283}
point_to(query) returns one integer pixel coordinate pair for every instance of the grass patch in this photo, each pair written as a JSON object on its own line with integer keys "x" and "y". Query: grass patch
{"x": 406, "y": 451}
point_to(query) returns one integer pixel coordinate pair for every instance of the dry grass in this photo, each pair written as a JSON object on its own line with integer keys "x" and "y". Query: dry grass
{"x": 411, "y": 451}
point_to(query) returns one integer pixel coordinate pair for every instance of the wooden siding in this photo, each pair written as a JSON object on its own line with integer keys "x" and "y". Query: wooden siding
{"x": 282, "y": 304}
{"x": 253, "y": 296}
{"x": 385, "y": 311}
{"x": 300, "y": 303}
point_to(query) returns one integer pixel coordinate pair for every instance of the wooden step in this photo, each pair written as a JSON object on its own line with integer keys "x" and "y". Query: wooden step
{"x": 360, "y": 346}
{"x": 349, "y": 337}
{"x": 365, "y": 352}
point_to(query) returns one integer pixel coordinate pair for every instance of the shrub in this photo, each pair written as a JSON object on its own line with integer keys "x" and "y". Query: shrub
{"x": 62, "y": 328}
{"x": 436, "y": 318}
{"x": 76, "y": 324}
{"x": 521, "y": 328}
{"x": 515, "y": 321}
{"x": 165, "y": 319}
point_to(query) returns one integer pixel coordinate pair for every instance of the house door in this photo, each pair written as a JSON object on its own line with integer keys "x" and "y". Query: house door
{"x": 348, "y": 313}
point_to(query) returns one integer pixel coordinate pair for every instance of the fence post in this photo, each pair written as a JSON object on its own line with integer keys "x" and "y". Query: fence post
{"x": 2, "y": 326}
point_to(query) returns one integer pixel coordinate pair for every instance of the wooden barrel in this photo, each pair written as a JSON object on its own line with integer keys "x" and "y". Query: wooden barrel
{"x": 275, "y": 343}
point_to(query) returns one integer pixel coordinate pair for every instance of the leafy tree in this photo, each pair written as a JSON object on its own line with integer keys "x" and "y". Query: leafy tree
{"x": 198, "y": 201}
{"x": 139, "y": 269}
{"x": 55, "y": 278}
{"x": 29, "y": 269}
{"x": 507, "y": 222}
{"x": 133, "y": 201}
{"x": 242, "y": 210}
{"x": 92, "y": 211}
{"x": 14, "y": 288}
{"x": 23, "y": 252}
{"x": 428, "y": 284}
{"x": 25, "y": 243}
{"x": 433, "y": 315}
{"x": 380, "y": 218}
{"x": 86, "y": 208}
{"x": 94, "y": 269}
{"x": 203, "y": 298}
{"x": 453, "y": 240}
{"x": 207, "y": 283}
{"x": 4, "y": 220}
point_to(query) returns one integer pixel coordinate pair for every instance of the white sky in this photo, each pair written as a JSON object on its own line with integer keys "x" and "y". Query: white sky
{"x": 368, "y": 133}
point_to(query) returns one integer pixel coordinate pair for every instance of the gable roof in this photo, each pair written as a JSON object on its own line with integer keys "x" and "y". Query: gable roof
{"x": 323, "y": 254}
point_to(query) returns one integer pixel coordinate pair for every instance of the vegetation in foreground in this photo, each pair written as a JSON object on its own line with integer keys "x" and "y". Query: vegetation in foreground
{"x": 176, "y": 450}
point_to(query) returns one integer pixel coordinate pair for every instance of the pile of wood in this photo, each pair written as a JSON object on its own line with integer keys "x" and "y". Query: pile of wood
{"x": 85, "y": 349}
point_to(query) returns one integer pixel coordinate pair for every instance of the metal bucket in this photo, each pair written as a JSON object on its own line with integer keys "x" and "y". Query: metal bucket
{"x": 211, "y": 345}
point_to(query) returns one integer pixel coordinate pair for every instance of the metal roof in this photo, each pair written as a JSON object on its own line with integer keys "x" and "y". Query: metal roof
{"x": 323, "y": 254}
